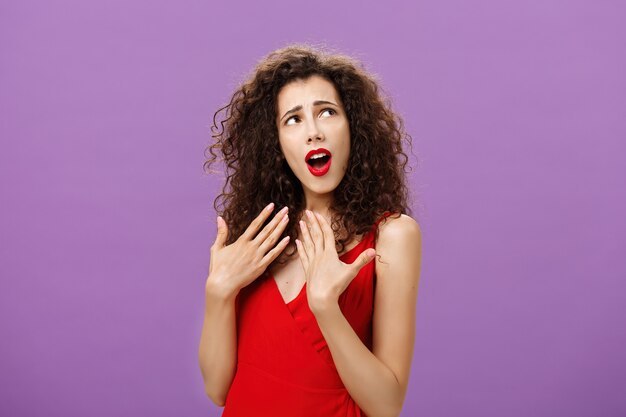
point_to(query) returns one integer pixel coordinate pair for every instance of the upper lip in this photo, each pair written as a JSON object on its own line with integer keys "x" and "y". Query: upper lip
{"x": 314, "y": 151}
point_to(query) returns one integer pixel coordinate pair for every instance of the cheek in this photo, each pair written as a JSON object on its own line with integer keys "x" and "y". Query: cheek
{"x": 345, "y": 161}
{"x": 346, "y": 150}
{"x": 290, "y": 156}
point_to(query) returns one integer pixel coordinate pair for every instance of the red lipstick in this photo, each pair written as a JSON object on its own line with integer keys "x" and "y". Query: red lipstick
{"x": 318, "y": 171}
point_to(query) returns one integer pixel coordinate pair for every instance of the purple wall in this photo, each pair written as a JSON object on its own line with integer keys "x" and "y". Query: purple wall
{"x": 517, "y": 110}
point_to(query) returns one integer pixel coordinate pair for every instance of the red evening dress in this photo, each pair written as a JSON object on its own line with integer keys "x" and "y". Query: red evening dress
{"x": 284, "y": 366}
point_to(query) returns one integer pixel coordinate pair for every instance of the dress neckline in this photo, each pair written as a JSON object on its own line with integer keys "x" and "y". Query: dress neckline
{"x": 302, "y": 289}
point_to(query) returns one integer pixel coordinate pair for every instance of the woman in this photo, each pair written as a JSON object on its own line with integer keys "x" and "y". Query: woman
{"x": 299, "y": 321}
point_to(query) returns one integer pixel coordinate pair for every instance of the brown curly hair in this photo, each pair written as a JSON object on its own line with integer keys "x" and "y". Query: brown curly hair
{"x": 257, "y": 173}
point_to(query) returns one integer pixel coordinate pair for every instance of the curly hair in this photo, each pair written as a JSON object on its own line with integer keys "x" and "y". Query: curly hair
{"x": 257, "y": 173}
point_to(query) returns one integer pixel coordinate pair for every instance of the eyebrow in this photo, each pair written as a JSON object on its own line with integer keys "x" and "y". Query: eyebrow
{"x": 299, "y": 107}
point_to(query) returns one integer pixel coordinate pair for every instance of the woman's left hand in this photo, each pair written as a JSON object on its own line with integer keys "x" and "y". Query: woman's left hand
{"x": 327, "y": 276}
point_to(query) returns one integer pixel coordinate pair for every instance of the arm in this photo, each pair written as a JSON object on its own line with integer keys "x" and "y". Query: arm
{"x": 217, "y": 353}
{"x": 233, "y": 267}
{"x": 378, "y": 380}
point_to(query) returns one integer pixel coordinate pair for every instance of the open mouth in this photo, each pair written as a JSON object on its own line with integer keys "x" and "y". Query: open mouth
{"x": 318, "y": 161}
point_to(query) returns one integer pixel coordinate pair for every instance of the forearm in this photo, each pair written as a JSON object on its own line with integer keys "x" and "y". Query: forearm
{"x": 371, "y": 384}
{"x": 217, "y": 353}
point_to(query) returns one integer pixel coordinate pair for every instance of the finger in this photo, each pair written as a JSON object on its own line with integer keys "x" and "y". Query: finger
{"x": 329, "y": 235}
{"x": 270, "y": 240}
{"x": 306, "y": 239}
{"x": 273, "y": 254}
{"x": 304, "y": 260}
{"x": 363, "y": 259}
{"x": 222, "y": 233}
{"x": 316, "y": 231}
{"x": 256, "y": 223}
{"x": 271, "y": 226}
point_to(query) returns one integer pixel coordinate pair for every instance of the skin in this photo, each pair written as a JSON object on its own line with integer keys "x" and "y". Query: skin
{"x": 313, "y": 126}
{"x": 377, "y": 380}
{"x": 231, "y": 268}
{"x": 310, "y": 115}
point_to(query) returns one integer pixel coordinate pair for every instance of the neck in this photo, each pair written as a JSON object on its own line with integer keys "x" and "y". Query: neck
{"x": 319, "y": 203}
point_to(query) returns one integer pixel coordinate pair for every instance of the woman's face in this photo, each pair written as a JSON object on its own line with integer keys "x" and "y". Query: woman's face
{"x": 313, "y": 133}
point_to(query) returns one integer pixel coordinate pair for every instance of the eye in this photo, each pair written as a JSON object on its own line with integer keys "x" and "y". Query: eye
{"x": 332, "y": 111}
{"x": 292, "y": 117}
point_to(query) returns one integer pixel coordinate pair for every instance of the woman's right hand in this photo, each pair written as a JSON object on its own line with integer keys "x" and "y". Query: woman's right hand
{"x": 234, "y": 266}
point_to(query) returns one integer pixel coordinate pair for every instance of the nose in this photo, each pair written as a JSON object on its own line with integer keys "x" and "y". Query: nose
{"x": 314, "y": 132}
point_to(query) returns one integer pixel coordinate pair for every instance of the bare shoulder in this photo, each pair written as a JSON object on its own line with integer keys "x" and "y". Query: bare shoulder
{"x": 398, "y": 253}
{"x": 395, "y": 233}
{"x": 398, "y": 259}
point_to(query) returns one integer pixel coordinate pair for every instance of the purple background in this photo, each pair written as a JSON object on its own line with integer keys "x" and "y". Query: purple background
{"x": 517, "y": 110}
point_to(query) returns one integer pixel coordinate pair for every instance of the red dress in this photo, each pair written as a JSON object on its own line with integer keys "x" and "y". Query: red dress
{"x": 284, "y": 366}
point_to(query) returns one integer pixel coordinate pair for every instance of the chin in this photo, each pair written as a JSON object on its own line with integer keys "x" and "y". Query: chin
{"x": 322, "y": 191}
{"x": 323, "y": 187}
{"x": 320, "y": 185}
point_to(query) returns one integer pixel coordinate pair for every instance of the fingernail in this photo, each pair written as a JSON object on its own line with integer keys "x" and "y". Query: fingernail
{"x": 284, "y": 209}
{"x": 308, "y": 213}
{"x": 269, "y": 207}
{"x": 285, "y": 219}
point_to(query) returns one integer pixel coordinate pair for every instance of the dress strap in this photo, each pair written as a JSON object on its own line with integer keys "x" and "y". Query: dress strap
{"x": 384, "y": 216}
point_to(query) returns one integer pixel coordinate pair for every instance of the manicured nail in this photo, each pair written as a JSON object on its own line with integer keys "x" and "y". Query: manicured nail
{"x": 270, "y": 207}
{"x": 308, "y": 213}
{"x": 284, "y": 209}
{"x": 285, "y": 218}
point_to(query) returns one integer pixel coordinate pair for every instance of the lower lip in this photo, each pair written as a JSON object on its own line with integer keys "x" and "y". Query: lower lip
{"x": 318, "y": 172}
